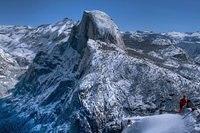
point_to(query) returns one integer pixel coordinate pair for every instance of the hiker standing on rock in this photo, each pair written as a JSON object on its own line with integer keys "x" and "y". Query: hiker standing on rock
{"x": 185, "y": 103}
{"x": 182, "y": 103}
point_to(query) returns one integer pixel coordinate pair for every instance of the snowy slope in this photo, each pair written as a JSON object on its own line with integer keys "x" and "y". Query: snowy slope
{"x": 166, "y": 123}
{"x": 19, "y": 45}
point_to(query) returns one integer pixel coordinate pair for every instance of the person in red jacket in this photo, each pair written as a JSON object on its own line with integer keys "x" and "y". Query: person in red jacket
{"x": 182, "y": 103}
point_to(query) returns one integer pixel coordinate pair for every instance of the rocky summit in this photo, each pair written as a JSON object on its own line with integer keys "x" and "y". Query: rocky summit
{"x": 88, "y": 76}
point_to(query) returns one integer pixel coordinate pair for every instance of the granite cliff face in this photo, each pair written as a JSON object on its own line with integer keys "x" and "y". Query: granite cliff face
{"x": 88, "y": 77}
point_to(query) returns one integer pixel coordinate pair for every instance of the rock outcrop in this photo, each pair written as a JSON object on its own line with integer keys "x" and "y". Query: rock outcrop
{"x": 96, "y": 25}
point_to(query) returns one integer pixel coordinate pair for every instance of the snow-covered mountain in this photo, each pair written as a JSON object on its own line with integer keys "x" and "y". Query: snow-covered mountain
{"x": 87, "y": 77}
{"x": 19, "y": 45}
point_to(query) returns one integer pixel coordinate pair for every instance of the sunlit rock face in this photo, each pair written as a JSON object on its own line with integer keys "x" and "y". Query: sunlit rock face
{"x": 89, "y": 76}
{"x": 98, "y": 25}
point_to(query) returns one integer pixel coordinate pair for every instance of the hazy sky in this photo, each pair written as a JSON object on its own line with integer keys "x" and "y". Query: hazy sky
{"x": 156, "y": 15}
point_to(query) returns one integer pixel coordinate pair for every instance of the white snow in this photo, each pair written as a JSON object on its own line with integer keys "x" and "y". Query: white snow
{"x": 171, "y": 63}
{"x": 179, "y": 35}
{"x": 165, "y": 123}
{"x": 196, "y": 34}
{"x": 159, "y": 41}
{"x": 182, "y": 35}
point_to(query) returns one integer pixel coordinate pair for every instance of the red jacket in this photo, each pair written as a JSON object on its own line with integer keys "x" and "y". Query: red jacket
{"x": 183, "y": 102}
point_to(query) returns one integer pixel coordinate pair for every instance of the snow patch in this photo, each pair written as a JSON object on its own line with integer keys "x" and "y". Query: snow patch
{"x": 177, "y": 34}
{"x": 166, "y": 123}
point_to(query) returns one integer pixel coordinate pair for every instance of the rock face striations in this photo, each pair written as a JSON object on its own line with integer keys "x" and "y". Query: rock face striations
{"x": 88, "y": 77}
{"x": 97, "y": 25}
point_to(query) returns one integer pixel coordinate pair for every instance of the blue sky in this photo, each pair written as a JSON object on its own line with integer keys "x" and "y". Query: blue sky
{"x": 155, "y": 15}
